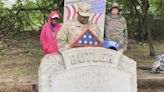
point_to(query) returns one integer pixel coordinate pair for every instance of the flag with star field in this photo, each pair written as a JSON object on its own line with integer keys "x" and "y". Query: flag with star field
{"x": 87, "y": 39}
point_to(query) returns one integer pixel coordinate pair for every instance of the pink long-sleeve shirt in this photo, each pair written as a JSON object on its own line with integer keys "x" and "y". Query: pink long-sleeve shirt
{"x": 47, "y": 40}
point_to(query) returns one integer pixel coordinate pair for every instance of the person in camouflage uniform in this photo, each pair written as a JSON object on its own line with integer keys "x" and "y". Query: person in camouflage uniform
{"x": 116, "y": 27}
{"x": 71, "y": 30}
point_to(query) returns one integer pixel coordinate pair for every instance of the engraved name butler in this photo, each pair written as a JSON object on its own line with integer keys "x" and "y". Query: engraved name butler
{"x": 88, "y": 55}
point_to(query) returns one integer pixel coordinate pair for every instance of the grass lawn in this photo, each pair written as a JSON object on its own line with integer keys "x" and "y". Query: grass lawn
{"x": 21, "y": 58}
{"x": 20, "y": 65}
{"x": 140, "y": 53}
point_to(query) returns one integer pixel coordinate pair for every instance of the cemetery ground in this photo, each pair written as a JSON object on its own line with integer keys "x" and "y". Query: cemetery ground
{"x": 20, "y": 59}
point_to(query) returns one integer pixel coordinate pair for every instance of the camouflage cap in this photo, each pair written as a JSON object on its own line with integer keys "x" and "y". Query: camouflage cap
{"x": 84, "y": 9}
{"x": 115, "y": 5}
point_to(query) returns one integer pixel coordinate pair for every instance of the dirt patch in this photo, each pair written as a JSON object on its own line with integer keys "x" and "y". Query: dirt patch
{"x": 14, "y": 88}
{"x": 151, "y": 90}
{"x": 150, "y": 83}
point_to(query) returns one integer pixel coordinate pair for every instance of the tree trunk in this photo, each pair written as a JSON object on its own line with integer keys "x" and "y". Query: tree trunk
{"x": 140, "y": 23}
{"x": 150, "y": 40}
{"x": 146, "y": 19}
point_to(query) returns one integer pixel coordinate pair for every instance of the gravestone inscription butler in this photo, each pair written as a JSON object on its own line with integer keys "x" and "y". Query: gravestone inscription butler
{"x": 95, "y": 69}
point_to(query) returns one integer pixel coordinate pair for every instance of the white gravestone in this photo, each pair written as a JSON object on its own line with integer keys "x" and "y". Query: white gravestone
{"x": 95, "y": 69}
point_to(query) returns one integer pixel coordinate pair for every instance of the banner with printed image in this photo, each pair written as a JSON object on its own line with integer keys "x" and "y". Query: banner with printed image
{"x": 98, "y": 11}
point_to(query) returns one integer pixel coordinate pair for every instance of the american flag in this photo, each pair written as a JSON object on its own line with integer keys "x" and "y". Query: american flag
{"x": 87, "y": 39}
{"x": 98, "y": 8}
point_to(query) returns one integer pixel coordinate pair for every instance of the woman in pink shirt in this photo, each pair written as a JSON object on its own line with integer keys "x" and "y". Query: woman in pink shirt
{"x": 49, "y": 33}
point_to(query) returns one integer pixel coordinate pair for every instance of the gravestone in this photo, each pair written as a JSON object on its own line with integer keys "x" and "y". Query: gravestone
{"x": 95, "y": 69}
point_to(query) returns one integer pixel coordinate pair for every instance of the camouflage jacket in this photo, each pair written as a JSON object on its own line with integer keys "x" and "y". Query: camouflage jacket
{"x": 71, "y": 30}
{"x": 116, "y": 30}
